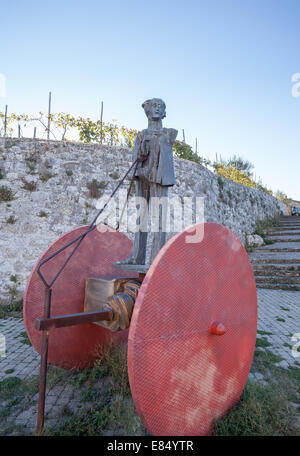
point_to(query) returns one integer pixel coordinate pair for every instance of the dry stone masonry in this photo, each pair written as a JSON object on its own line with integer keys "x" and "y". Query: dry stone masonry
{"x": 47, "y": 189}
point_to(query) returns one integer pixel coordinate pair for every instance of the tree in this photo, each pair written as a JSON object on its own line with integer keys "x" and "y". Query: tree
{"x": 183, "y": 150}
{"x": 240, "y": 164}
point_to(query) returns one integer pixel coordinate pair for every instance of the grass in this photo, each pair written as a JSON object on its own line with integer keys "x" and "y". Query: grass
{"x": 105, "y": 389}
{"x": 114, "y": 175}
{"x": 262, "y": 342}
{"x": 6, "y": 194}
{"x": 46, "y": 176}
{"x": 30, "y": 186}
{"x": 25, "y": 339}
{"x": 265, "y": 409}
{"x": 11, "y": 220}
{"x": 17, "y": 395}
{"x": 43, "y": 214}
{"x": 69, "y": 172}
{"x": 280, "y": 319}
{"x": 264, "y": 333}
{"x": 262, "y": 226}
{"x": 11, "y": 309}
{"x": 95, "y": 188}
{"x": 285, "y": 308}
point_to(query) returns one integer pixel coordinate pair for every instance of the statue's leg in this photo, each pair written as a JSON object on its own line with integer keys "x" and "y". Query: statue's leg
{"x": 159, "y": 208}
{"x": 138, "y": 254}
{"x": 140, "y": 239}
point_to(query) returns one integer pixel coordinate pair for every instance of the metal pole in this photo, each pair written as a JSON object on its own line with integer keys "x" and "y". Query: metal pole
{"x": 49, "y": 113}
{"x": 34, "y": 133}
{"x": 183, "y": 135}
{"x": 44, "y": 363}
{"x": 5, "y": 121}
{"x": 196, "y": 146}
{"x": 19, "y": 131}
{"x": 101, "y": 119}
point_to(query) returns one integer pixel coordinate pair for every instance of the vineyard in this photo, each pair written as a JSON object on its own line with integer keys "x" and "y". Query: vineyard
{"x": 61, "y": 126}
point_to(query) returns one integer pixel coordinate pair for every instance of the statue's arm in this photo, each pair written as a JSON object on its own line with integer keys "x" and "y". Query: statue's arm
{"x": 172, "y": 134}
{"x": 136, "y": 147}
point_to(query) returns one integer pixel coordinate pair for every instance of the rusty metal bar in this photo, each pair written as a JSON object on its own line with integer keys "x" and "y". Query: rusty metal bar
{"x": 60, "y": 321}
{"x": 44, "y": 362}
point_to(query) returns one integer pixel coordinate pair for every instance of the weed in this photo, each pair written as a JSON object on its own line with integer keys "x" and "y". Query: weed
{"x": 11, "y": 220}
{"x": 262, "y": 410}
{"x": 9, "y": 371}
{"x": 30, "y": 186}
{"x": 280, "y": 319}
{"x": 262, "y": 342}
{"x": 285, "y": 308}
{"x": 94, "y": 188}
{"x": 43, "y": 214}
{"x": 264, "y": 333}
{"x": 46, "y": 176}
{"x": 69, "y": 172}
{"x": 13, "y": 278}
{"x": 6, "y": 194}
{"x": 12, "y": 309}
{"x": 114, "y": 175}
{"x": 220, "y": 183}
{"x": 25, "y": 339}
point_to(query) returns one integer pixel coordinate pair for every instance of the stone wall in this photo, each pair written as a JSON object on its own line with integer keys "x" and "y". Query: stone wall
{"x": 49, "y": 182}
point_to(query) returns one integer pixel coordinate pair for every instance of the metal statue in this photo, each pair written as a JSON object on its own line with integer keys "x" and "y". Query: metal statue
{"x": 154, "y": 174}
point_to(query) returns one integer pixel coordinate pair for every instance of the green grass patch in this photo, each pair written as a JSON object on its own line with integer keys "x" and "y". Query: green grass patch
{"x": 6, "y": 194}
{"x": 262, "y": 342}
{"x": 285, "y": 308}
{"x": 9, "y": 371}
{"x": 265, "y": 409}
{"x": 280, "y": 319}
{"x": 106, "y": 388}
{"x": 262, "y": 410}
{"x": 264, "y": 333}
{"x": 11, "y": 309}
{"x": 25, "y": 339}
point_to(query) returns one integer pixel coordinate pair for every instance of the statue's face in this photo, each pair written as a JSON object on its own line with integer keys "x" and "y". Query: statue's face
{"x": 155, "y": 109}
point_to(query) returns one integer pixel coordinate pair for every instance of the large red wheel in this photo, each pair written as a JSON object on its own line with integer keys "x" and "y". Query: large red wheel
{"x": 182, "y": 374}
{"x": 75, "y": 346}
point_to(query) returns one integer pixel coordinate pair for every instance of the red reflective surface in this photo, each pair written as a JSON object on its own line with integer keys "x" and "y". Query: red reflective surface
{"x": 182, "y": 376}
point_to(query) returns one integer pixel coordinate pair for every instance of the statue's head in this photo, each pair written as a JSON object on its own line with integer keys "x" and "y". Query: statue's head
{"x": 155, "y": 109}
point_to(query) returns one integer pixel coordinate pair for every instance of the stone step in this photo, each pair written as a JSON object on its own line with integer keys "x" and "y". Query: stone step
{"x": 283, "y": 233}
{"x": 280, "y": 247}
{"x": 274, "y": 268}
{"x": 284, "y": 228}
{"x": 276, "y": 273}
{"x": 274, "y": 257}
{"x": 276, "y": 280}
{"x": 283, "y": 239}
{"x": 280, "y": 286}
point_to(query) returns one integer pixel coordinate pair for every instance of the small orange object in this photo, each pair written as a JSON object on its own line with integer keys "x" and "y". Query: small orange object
{"x": 217, "y": 328}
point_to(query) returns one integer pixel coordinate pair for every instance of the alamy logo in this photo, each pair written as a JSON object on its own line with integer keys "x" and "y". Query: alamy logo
{"x": 2, "y": 346}
{"x": 296, "y": 86}
{"x": 2, "y": 85}
{"x": 296, "y": 346}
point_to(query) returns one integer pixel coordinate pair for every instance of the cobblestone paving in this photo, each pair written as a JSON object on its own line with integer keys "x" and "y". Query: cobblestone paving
{"x": 22, "y": 361}
{"x": 279, "y": 314}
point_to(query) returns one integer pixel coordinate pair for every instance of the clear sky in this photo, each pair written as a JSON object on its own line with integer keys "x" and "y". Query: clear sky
{"x": 223, "y": 67}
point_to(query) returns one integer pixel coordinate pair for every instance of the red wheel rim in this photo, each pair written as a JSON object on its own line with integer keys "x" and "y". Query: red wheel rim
{"x": 183, "y": 375}
{"x": 75, "y": 346}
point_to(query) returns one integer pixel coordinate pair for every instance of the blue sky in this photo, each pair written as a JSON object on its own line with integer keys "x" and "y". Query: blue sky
{"x": 223, "y": 67}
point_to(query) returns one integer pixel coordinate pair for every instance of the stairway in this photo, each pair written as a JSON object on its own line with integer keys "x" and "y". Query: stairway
{"x": 277, "y": 265}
